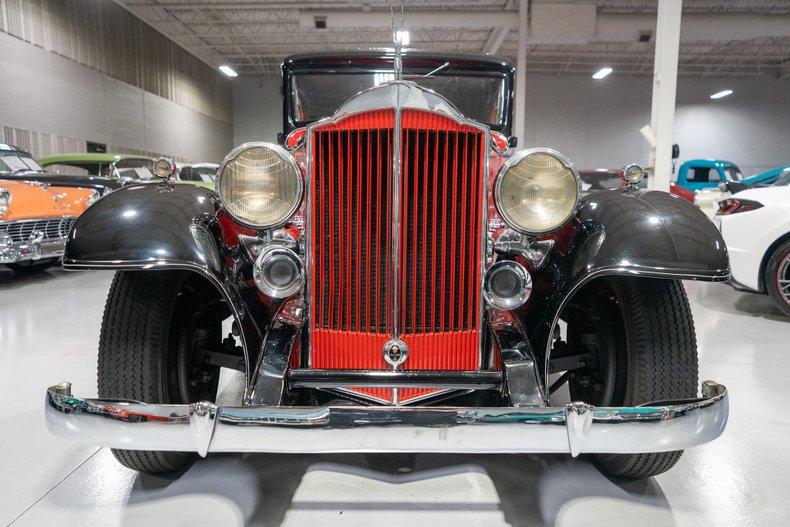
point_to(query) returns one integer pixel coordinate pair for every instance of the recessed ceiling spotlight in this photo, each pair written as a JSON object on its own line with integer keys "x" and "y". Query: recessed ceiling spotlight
{"x": 227, "y": 70}
{"x": 402, "y": 37}
{"x": 720, "y": 94}
{"x": 603, "y": 72}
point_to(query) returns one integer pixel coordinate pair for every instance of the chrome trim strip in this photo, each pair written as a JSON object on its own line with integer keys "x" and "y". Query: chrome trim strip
{"x": 396, "y": 177}
{"x": 447, "y": 379}
{"x": 204, "y": 427}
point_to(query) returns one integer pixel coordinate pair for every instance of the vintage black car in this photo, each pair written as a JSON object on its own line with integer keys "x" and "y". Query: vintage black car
{"x": 397, "y": 279}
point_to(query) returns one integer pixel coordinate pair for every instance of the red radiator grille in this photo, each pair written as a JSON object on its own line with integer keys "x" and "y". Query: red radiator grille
{"x": 351, "y": 286}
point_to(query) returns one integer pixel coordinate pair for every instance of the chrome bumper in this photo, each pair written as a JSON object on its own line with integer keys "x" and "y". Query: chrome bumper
{"x": 572, "y": 429}
{"x": 34, "y": 249}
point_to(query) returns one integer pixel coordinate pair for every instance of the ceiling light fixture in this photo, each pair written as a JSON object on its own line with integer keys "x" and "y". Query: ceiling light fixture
{"x": 720, "y": 94}
{"x": 402, "y": 37}
{"x": 227, "y": 70}
{"x": 603, "y": 72}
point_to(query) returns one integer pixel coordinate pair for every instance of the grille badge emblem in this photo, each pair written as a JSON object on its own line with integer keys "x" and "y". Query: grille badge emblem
{"x": 395, "y": 352}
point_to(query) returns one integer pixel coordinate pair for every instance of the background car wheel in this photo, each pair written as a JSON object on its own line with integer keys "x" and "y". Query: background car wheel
{"x": 32, "y": 266}
{"x": 777, "y": 277}
{"x": 153, "y": 324}
{"x": 641, "y": 333}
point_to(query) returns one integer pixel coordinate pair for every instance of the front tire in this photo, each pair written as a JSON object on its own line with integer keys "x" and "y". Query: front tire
{"x": 642, "y": 332}
{"x": 777, "y": 277}
{"x": 153, "y": 323}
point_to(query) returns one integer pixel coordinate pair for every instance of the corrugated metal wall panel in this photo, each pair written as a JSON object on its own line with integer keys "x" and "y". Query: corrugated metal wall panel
{"x": 104, "y": 36}
{"x": 42, "y": 144}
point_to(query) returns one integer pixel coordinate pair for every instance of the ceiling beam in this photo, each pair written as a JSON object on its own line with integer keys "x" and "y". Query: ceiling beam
{"x": 495, "y": 40}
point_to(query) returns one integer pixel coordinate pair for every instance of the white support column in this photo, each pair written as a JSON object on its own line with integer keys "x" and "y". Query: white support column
{"x": 521, "y": 73}
{"x": 665, "y": 77}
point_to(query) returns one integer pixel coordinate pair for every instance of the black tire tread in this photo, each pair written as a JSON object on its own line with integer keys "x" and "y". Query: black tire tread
{"x": 131, "y": 346}
{"x": 663, "y": 364}
{"x": 768, "y": 277}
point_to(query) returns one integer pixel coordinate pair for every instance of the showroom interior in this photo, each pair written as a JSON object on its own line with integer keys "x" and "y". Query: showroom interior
{"x": 633, "y": 185}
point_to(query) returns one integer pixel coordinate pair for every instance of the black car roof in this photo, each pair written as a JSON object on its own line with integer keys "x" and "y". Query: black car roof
{"x": 470, "y": 61}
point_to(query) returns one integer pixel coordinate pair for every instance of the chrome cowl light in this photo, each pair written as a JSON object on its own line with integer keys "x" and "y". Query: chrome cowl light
{"x": 507, "y": 285}
{"x": 633, "y": 174}
{"x": 537, "y": 190}
{"x": 260, "y": 185}
{"x": 278, "y": 272}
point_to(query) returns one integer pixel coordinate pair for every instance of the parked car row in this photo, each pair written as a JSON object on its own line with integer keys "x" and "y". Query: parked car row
{"x": 753, "y": 218}
{"x": 41, "y": 199}
{"x": 755, "y": 225}
{"x": 707, "y": 181}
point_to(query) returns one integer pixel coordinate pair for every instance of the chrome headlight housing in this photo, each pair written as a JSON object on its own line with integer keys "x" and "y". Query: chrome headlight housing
{"x": 93, "y": 198}
{"x": 537, "y": 190}
{"x": 260, "y": 185}
{"x": 5, "y": 200}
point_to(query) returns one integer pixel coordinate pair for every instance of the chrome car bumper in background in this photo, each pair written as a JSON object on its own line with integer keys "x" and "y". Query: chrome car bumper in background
{"x": 22, "y": 240}
{"x": 204, "y": 427}
{"x": 35, "y": 249}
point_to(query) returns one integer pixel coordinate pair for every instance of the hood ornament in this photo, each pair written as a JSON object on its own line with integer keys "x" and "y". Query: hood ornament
{"x": 397, "y": 38}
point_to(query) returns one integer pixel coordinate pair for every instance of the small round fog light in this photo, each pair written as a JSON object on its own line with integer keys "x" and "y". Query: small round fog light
{"x": 507, "y": 285}
{"x": 633, "y": 174}
{"x": 278, "y": 272}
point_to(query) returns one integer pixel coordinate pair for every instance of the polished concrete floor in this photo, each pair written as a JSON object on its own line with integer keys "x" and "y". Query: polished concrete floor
{"x": 49, "y": 328}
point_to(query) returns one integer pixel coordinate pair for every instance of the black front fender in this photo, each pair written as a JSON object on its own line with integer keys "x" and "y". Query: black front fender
{"x": 650, "y": 234}
{"x": 160, "y": 226}
{"x": 147, "y": 225}
{"x": 646, "y": 234}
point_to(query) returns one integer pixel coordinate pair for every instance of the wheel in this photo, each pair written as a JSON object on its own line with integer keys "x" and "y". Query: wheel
{"x": 777, "y": 277}
{"x": 639, "y": 333}
{"x": 32, "y": 266}
{"x": 153, "y": 324}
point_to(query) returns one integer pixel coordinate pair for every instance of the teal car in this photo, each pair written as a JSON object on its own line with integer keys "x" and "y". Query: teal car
{"x": 766, "y": 178}
{"x": 706, "y": 174}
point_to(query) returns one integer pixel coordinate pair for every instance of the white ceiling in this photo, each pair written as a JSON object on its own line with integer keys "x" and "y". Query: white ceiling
{"x": 725, "y": 37}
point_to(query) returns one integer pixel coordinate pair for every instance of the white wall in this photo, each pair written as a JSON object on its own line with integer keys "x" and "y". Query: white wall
{"x": 257, "y": 109}
{"x": 46, "y": 93}
{"x": 596, "y": 123}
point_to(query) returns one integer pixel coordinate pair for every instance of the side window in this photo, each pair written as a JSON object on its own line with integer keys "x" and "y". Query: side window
{"x": 66, "y": 169}
{"x": 701, "y": 175}
{"x": 186, "y": 174}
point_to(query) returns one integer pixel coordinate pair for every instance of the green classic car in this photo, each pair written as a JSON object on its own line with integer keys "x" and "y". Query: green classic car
{"x": 125, "y": 169}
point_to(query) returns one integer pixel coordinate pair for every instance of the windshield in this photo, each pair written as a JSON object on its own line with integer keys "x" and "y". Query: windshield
{"x": 317, "y": 95}
{"x": 11, "y": 161}
{"x": 733, "y": 173}
{"x": 134, "y": 169}
{"x": 205, "y": 174}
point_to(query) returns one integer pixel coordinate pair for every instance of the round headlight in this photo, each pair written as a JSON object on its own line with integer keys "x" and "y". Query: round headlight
{"x": 537, "y": 190}
{"x": 260, "y": 185}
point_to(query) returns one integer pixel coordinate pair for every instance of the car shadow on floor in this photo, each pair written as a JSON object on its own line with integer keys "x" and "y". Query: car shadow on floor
{"x": 519, "y": 489}
{"x": 9, "y": 278}
{"x": 722, "y": 297}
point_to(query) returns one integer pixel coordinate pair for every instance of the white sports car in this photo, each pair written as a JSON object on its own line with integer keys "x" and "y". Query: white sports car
{"x": 755, "y": 225}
